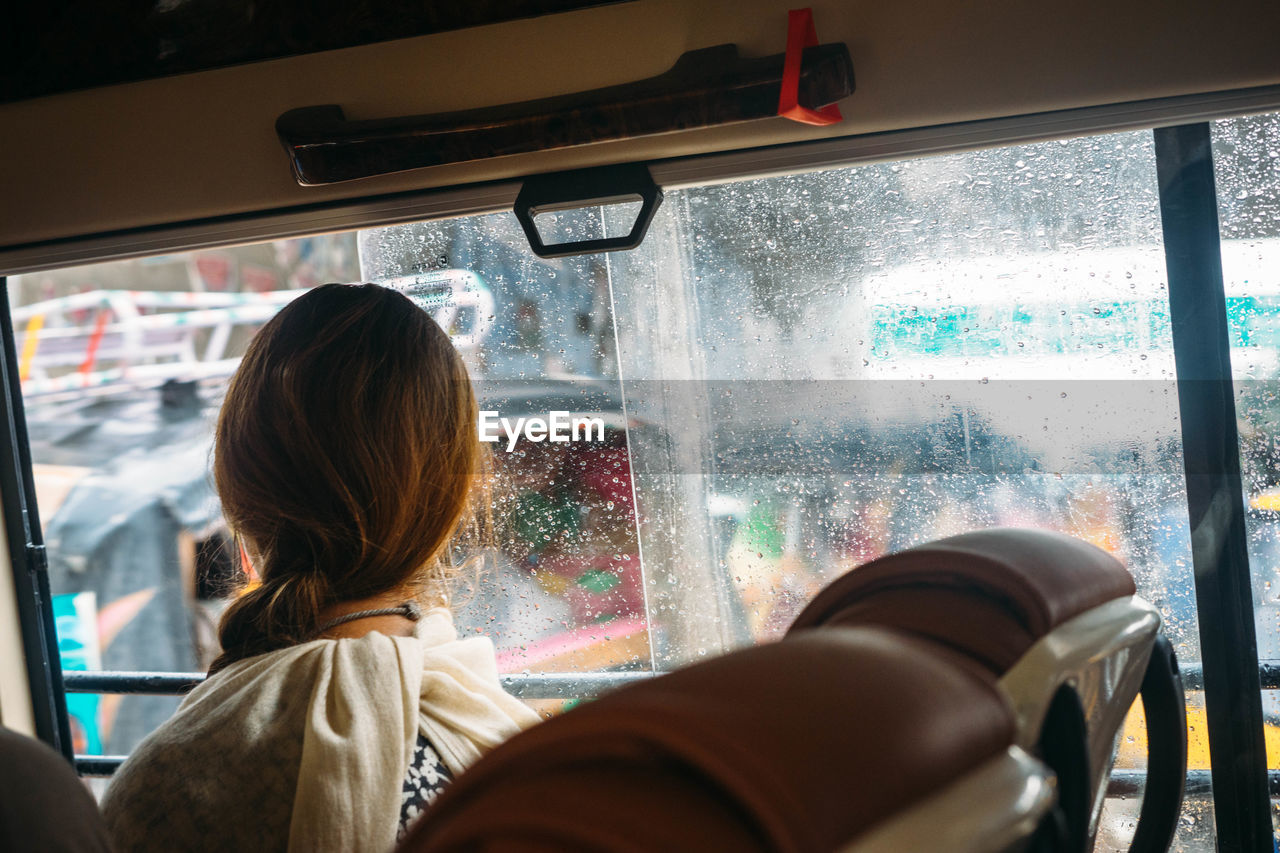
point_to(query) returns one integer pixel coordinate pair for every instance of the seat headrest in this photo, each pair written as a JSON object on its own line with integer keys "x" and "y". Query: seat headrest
{"x": 988, "y": 594}
{"x": 43, "y": 804}
{"x": 800, "y": 745}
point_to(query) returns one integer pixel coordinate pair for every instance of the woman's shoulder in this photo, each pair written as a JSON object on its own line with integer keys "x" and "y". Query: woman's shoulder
{"x": 202, "y": 768}
{"x": 237, "y": 740}
{"x": 247, "y": 708}
{"x": 257, "y": 706}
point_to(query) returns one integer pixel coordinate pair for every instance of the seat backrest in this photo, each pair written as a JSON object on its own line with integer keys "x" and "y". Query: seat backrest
{"x": 803, "y": 745}
{"x": 43, "y": 804}
{"x": 1057, "y": 621}
{"x": 989, "y": 594}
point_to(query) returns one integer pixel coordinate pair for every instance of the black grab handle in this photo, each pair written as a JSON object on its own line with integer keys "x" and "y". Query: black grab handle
{"x": 587, "y": 188}
{"x": 705, "y": 88}
{"x": 1165, "y": 706}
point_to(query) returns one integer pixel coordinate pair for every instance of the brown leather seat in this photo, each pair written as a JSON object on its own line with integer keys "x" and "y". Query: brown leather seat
{"x": 795, "y": 746}
{"x": 988, "y": 594}
{"x": 43, "y": 804}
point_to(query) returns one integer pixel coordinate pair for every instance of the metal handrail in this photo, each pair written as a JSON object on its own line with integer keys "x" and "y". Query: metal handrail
{"x": 573, "y": 685}
{"x": 548, "y": 685}
{"x": 541, "y": 685}
{"x": 551, "y": 685}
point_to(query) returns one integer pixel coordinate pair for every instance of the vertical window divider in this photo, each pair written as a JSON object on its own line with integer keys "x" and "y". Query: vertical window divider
{"x": 27, "y": 553}
{"x": 1215, "y": 499}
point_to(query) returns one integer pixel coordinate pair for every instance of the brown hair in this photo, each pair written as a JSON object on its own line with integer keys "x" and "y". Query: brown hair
{"x": 346, "y": 453}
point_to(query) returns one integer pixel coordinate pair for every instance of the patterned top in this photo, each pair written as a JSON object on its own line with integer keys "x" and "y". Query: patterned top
{"x": 426, "y": 778}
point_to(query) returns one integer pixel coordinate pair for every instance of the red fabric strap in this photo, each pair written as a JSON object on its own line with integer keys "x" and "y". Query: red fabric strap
{"x": 801, "y": 34}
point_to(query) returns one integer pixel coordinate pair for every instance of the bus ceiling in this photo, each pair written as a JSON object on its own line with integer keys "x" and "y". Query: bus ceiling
{"x": 193, "y": 159}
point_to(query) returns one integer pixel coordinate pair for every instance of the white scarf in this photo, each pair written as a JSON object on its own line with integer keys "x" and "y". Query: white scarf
{"x": 307, "y": 748}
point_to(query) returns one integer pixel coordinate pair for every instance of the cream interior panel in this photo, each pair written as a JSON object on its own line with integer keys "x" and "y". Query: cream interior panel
{"x": 203, "y": 145}
{"x": 15, "y": 694}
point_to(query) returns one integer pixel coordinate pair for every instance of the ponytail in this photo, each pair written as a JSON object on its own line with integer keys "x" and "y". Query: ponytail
{"x": 274, "y": 614}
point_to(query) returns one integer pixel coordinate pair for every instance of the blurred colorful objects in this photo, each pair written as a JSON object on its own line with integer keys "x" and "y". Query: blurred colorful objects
{"x": 76, "y": 619}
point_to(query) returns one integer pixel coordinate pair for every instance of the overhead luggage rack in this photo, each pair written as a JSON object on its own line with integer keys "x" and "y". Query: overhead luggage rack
{"x": 710, "y": 87}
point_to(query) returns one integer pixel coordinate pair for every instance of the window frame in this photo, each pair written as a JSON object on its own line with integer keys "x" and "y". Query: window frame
{"x": 27, "y": 553}
{"x": 1215, "y": 491}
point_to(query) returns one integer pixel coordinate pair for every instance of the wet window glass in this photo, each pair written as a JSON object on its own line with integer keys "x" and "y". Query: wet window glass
{"x": 824, "y": 368}
{"x": 790, "y": 377}
{"x": 560, "y": 589}
{"x": 1246, "y": 154}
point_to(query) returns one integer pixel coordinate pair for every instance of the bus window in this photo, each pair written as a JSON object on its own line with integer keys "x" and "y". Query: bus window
{"x": 845, "y": 363}
{"x": 791, "y": 376}
{"x": 1247, "y": 173}
{"x": 123, "y": 366}
{"x": 563, "y": 590}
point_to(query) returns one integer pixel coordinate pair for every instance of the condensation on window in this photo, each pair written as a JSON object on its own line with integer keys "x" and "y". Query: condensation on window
{"x": 833, "y": 366}
{"x": 561, "y": 588}
{"x": 1246, "y": 153}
